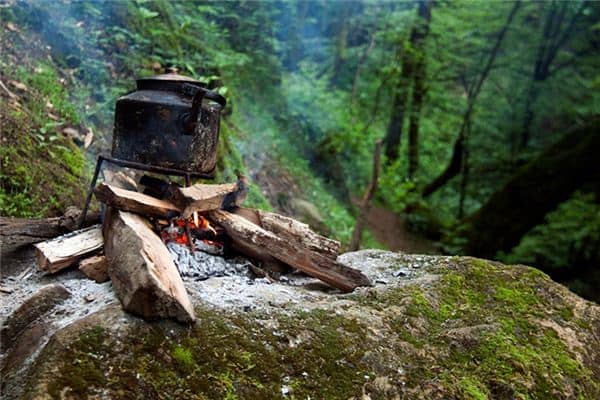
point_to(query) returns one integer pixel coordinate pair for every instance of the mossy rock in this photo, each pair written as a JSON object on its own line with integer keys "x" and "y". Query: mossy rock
{"x": 434, "y": 327}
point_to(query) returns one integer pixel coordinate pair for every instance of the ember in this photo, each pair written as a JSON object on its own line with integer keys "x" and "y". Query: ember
{"x": 199, "y": 228}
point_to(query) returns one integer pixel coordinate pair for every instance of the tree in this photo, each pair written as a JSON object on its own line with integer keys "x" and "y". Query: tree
{"x": 412, "y": 60}
{"x": 561, "y": 21}
{"x": 536, "y": 189}
{"x": 473, "y": 91}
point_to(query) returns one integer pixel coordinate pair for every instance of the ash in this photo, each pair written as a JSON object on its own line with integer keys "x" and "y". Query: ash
{"x": 201, "y": 265}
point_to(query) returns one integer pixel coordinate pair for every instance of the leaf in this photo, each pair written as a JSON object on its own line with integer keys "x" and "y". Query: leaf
{"x": 147, "y": 14}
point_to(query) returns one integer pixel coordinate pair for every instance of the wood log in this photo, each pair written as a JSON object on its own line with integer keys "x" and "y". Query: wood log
{"x": 292, "y": 230}
{"x": 64, "y": 251}
{"x": 136, "y": 202}
{"x": 95, "y": 268}
{"x": 16, "y": 233}
{"x": 202, "y": 197}
{"x": 141, "y": 269}
{"x": 314, "y": 264}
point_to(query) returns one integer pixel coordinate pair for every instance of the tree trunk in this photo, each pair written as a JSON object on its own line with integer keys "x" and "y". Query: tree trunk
{"x": 409, "y": 63}
{"x": 340, "y": 48}
{"x": 464, "y": 181}
{"x": 399, "y": 105}
{"x": 418, "y": 89}
{"x": 365, "y": 204}
{"x": 533, "y": 191}
{"x": 472, "y": 93}
{"x": 553, "y": 38}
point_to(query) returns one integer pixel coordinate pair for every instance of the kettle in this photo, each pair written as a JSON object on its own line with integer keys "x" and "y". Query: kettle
{"x": 170, "y": 121}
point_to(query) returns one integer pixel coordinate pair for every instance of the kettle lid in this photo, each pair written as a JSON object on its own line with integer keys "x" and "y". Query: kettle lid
{"x": 170, "y": 77}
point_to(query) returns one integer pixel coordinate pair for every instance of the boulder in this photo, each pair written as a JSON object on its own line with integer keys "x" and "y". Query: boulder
{"x": 431, "y": 327}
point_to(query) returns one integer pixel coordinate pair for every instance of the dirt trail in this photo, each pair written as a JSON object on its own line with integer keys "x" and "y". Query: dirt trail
{"x": 390, "y": 229}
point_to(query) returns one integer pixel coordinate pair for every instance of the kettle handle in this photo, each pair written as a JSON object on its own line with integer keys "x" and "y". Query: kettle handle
{"x": 201, "y": 93}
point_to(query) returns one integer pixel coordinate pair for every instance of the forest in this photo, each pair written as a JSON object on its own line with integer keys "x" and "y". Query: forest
{"x": 487, "y": 114}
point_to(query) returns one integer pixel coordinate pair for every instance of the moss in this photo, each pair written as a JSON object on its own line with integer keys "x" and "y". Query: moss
{"x": 496, "y": 350}
{"x": 41, "y": 171}
{"x": 471, "y": 389}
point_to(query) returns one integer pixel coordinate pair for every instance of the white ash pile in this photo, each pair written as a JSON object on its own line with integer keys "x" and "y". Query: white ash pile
{"x": 201, "y": 265}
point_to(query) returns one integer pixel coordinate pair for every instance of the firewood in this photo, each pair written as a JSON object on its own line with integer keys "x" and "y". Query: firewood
{"x": 138, "y": 203}
{"x": 64, "y": 251}
{"x": 292, "y": 253}
{"x": 15, "y": 233}
{"x": 292, "y": 230}
{"x": 201, "y": 197}
{"x": 120, "y": 179}
{"x": 95, "y": 268}
{"x": 143, "y": 274}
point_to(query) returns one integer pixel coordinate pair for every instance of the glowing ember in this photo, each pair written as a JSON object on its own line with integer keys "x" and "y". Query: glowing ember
{"x": 199, "y": 226}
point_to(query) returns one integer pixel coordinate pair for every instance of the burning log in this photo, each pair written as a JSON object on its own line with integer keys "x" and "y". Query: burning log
{"x": 141, "y": 269}
{"x": 200, "y": 197}
{"x": 290, "y": 229}
{"x": 95, "y": 268}
{"x": 64, "y": 251}
{"x": 248, "y": 234}
{"x": 136, "y": 202}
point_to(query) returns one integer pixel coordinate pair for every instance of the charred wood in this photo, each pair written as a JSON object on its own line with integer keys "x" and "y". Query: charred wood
{"x": 312, "y": 263}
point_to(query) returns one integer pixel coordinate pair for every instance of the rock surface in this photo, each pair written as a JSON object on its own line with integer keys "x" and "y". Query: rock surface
{"x": 431, "y": 327}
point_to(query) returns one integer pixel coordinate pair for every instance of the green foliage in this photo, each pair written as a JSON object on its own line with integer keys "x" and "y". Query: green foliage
{"x": 569, "y": 236}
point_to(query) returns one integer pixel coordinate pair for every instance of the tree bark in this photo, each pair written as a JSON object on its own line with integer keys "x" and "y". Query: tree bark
{"x": 536, "y": 189}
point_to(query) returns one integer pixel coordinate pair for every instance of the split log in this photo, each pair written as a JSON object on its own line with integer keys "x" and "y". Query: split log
{"x": 136, "y": 202}
{"x": 202, "y": 197}
{"x": 314, "y": 264}
{"x": 16, "y": 233}
{"x": 292, "y": 230}
{"x": 95, "y": 268}
{"x": 64, "y": 251}
{"x": 141, "y": 269}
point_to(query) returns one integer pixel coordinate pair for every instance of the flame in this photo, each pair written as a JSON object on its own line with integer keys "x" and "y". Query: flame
{"x": 176, "y": 232}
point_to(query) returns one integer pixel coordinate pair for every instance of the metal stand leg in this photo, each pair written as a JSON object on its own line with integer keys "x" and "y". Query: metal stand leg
{"x": 90, "y": 191}
{"x": 188, "y": 233}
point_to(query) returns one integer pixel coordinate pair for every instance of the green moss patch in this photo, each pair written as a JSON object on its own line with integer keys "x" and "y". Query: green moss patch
{"x": 41, "y": 172}
{"x": 474, "y": 333}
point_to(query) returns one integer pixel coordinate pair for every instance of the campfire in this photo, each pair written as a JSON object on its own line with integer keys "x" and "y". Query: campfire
{"x": 170, "y": 126}
{"x": 150, "y": 242}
